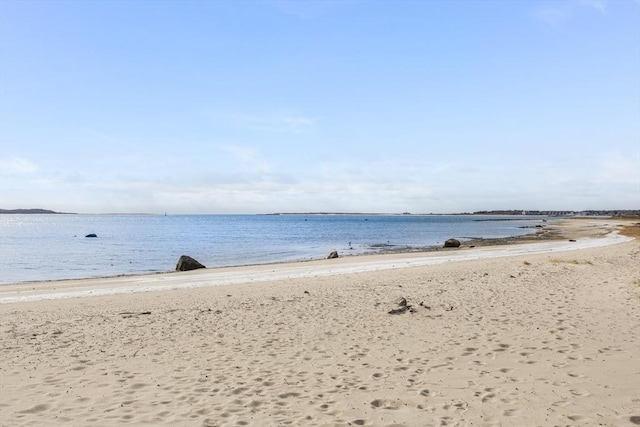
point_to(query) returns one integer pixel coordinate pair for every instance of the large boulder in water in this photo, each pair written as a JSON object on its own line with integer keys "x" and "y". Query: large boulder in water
{"x": 452, "y": 243}
{"x": 186, "y": 263}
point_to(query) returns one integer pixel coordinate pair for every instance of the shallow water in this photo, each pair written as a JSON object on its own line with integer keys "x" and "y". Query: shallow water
{"x": 51, "y": 247}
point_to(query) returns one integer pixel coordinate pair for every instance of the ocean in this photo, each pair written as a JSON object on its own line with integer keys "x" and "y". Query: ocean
{"x": 52, "y": 247}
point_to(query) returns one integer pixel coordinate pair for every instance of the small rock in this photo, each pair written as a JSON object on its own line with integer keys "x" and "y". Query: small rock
{"x": 402, "y": 302}
{"x": 333, "y": 254}
{"x": 91, "y": 235}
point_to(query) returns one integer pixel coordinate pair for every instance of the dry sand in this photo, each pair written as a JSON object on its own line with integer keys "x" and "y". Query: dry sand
{"x": 497, "y": 336}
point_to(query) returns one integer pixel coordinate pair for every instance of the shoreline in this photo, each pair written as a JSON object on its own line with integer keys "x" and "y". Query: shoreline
{"x": 544, "y": 230}
{"x": 557, "y": 236}
{"x": 536, "y": 234}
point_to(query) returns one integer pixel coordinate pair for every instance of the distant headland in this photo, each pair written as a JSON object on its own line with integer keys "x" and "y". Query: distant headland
{"x": 31, "y": 211}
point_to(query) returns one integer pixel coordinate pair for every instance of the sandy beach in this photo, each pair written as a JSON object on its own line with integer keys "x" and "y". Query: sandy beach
{"x": 539, "y": 333}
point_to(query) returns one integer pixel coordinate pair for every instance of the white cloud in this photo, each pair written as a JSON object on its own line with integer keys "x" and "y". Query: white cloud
{"x": 17, "y": 165}
{"x": 246, "y": 185}
{"x": 247, "y": 157}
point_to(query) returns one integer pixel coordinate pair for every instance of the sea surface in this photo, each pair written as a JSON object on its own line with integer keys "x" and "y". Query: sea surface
{"x": 53, "y": 247}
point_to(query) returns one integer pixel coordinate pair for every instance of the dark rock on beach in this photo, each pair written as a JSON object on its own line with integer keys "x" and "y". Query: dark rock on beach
{"x": 333, "y": 254}
{"x": 91, "y": 235}
{"x": 452, "y": 243}
{"x": 186, "y": 263}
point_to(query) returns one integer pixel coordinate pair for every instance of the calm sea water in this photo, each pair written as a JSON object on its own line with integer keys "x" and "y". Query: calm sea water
{"x": 51, "y": 247}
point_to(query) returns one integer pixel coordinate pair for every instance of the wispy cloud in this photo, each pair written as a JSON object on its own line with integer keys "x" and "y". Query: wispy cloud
{"x": 554, "y": 14}
{"x": 17, "y": 165}
{"x": 247, "y": 157}
{"x": 560, "y": 12}
{"x": 599, "y": 5}
{"x": 278, "y": 122}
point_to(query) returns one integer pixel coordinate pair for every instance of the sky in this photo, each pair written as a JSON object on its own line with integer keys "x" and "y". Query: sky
{"x": 264, "y": 106}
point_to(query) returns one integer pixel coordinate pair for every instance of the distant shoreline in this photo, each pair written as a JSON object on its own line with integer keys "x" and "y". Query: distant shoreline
{"x": 514, "y": 213}
{"x": 33, "y": 211}
{"x": 615, "y": 213}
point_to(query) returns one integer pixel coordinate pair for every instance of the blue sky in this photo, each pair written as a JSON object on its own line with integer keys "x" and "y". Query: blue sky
{"x": 271, "y": 106}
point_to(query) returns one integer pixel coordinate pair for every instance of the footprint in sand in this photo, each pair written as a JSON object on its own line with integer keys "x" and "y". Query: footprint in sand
{"x": 287, "y": 395}
{"x": 511, "y": 412}
{"x": 458, "y": 406}
{"x": 36, "y": 409}
{"x": 580, "y": 393}
{"x": 574, "y": 375}
{"x": 385, "y": 404}
{"x": 578, "y": 418}
{"x": 469, "y": 351}
{"x": 561, "y": 403}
